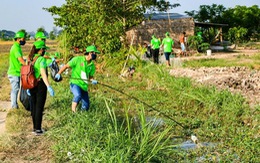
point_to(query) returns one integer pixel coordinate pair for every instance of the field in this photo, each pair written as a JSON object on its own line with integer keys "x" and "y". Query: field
{"x": 149, "y": 117}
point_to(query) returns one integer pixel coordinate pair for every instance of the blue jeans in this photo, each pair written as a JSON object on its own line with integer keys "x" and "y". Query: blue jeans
{"x": 15, "y": 84}
{"x": 167, "y": 55}
{"x": 80, "y": 95}
{"x": 183, "y": 49}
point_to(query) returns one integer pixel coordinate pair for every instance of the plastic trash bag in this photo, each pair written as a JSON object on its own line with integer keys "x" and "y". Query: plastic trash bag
{"x": 54, "y": 70}
{"x": 25, "y": 99}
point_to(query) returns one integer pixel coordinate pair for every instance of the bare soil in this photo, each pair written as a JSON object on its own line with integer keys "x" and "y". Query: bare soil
{"x": 236, "y": 79}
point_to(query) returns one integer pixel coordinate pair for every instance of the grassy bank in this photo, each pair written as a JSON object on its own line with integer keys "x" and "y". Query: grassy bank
{"x": 143, "y": 119}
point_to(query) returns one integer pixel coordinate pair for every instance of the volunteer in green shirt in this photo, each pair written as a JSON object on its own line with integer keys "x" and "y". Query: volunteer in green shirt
{"x": 40, "y": 36}
{"x": 167, "y": 45}
{"x": 83, "y": 70}
{"x": 50, "y": 58}
{"x": 15, "y": 63}
{"x": 155, "y": 44}
{"x": 39, "y": 93}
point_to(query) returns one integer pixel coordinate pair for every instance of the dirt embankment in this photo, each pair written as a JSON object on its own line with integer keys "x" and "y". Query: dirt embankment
{"x": 236, "y": 79}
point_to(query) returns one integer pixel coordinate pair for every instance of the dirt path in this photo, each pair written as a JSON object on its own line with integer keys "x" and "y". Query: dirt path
{"x": 4, "y": 105}
{"x": 2, "y": 122}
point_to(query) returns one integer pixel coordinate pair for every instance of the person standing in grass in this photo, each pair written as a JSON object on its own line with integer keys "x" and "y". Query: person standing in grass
{"x": 38, "y": 94}
{"x": 15, "y": 63}
{"x": 183, "y": 42}
{"x": 83, "y": 70}
{"x": 155, "y": 43}
{"x": 167, "y": 45}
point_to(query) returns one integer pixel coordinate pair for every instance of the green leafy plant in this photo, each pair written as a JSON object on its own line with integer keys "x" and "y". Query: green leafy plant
{"x": 194, "y": 42}
{"x": 204, "y": 46}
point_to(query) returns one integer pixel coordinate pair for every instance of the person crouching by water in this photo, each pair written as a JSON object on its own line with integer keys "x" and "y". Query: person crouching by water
{"x": 39, "y": 93}
{"x": 83, "y": 70}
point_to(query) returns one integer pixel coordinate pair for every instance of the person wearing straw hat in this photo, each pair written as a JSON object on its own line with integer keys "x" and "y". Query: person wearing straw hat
{"x": 39, "y": 93}
{"x": 15, "y": 63}
{"x": 83, "y": 70}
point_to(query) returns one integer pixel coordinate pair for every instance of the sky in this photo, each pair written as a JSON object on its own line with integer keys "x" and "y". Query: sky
{"x": 29, "y": 15}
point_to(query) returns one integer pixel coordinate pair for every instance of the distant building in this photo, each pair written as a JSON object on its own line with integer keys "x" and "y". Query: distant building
{"x": 159, "y": 24}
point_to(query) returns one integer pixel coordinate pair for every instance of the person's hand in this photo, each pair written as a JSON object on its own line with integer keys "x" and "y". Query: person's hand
{"x": 57, "y": 76}
{"x": 94, "y": 82}
{"x": 28, "y": 92}
{"x": 51, "y": 91}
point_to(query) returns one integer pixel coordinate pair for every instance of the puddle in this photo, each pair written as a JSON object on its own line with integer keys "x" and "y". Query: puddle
{"x": 156, "y": 122}
{"x": 153, "y": 121}
{"x": 191, "y": 145}
{"x": 181, "y": 143}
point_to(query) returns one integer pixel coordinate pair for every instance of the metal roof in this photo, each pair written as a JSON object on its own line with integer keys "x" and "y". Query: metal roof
{"x": 160, "y": 16}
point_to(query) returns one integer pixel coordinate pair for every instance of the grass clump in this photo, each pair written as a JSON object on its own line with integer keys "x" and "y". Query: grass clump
{"x": 243, "y": 60}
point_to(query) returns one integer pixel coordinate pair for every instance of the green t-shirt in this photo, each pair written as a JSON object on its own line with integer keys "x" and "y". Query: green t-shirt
{"x": 155, "y": 43}
{"x": 14, "y": 64}
{"x": 167, "y": 44}
{"x": 40, "y": 63}
{"x": 81, "y": 69}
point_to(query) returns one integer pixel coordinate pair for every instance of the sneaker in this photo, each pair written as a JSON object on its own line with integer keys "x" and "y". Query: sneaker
{"x": 34, "y": 130}
{"x": 39, "y": 132}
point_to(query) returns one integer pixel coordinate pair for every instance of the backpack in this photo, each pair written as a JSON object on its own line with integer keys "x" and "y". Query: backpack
{"x": 28, "y": 78}
{"x": 54, "y": 70}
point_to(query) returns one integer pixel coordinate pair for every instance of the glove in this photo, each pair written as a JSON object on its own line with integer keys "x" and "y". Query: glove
{"x": 94, "y": 82}
{"x": 51, "y": 91}
{"x": 57, "y": 76}
{"x": 53, "y": 59}
{"x": 28, "y": 92}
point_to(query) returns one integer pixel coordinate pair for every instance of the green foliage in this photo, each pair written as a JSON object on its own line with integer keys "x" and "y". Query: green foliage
{"x": 208, "y": 13}
{"x": 244, "y": 17}
{"x": 52, "y": 35}
{"x": 102, "y": 23}
{"x": 204, "y": 46}
{"x": 194, "y": 42}
{"x": 237, "y": 34}
{"x": 239, "y": 17}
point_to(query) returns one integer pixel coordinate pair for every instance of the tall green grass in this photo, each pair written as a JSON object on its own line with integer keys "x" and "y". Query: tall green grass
{"x": 109, "y": 130}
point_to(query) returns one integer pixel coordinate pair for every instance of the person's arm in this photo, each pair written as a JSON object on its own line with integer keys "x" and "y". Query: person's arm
{"x": 21, "y": 60}
{"x": 44, "y": 77}
{"x": 46, "y": 81}
{"x": 63, "y": 68}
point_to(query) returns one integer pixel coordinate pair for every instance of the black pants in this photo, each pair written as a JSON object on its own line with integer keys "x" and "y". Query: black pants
{"x": 155, "y": 55}
{"x": 38, "y": 99}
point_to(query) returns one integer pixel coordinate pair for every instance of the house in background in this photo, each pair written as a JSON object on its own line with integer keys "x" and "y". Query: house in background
{"x": 158, "y": 24}
{"x": 174, "y": 23}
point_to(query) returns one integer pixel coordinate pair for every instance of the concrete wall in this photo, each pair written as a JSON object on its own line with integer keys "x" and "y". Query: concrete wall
{"x": 143, "y": 32}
